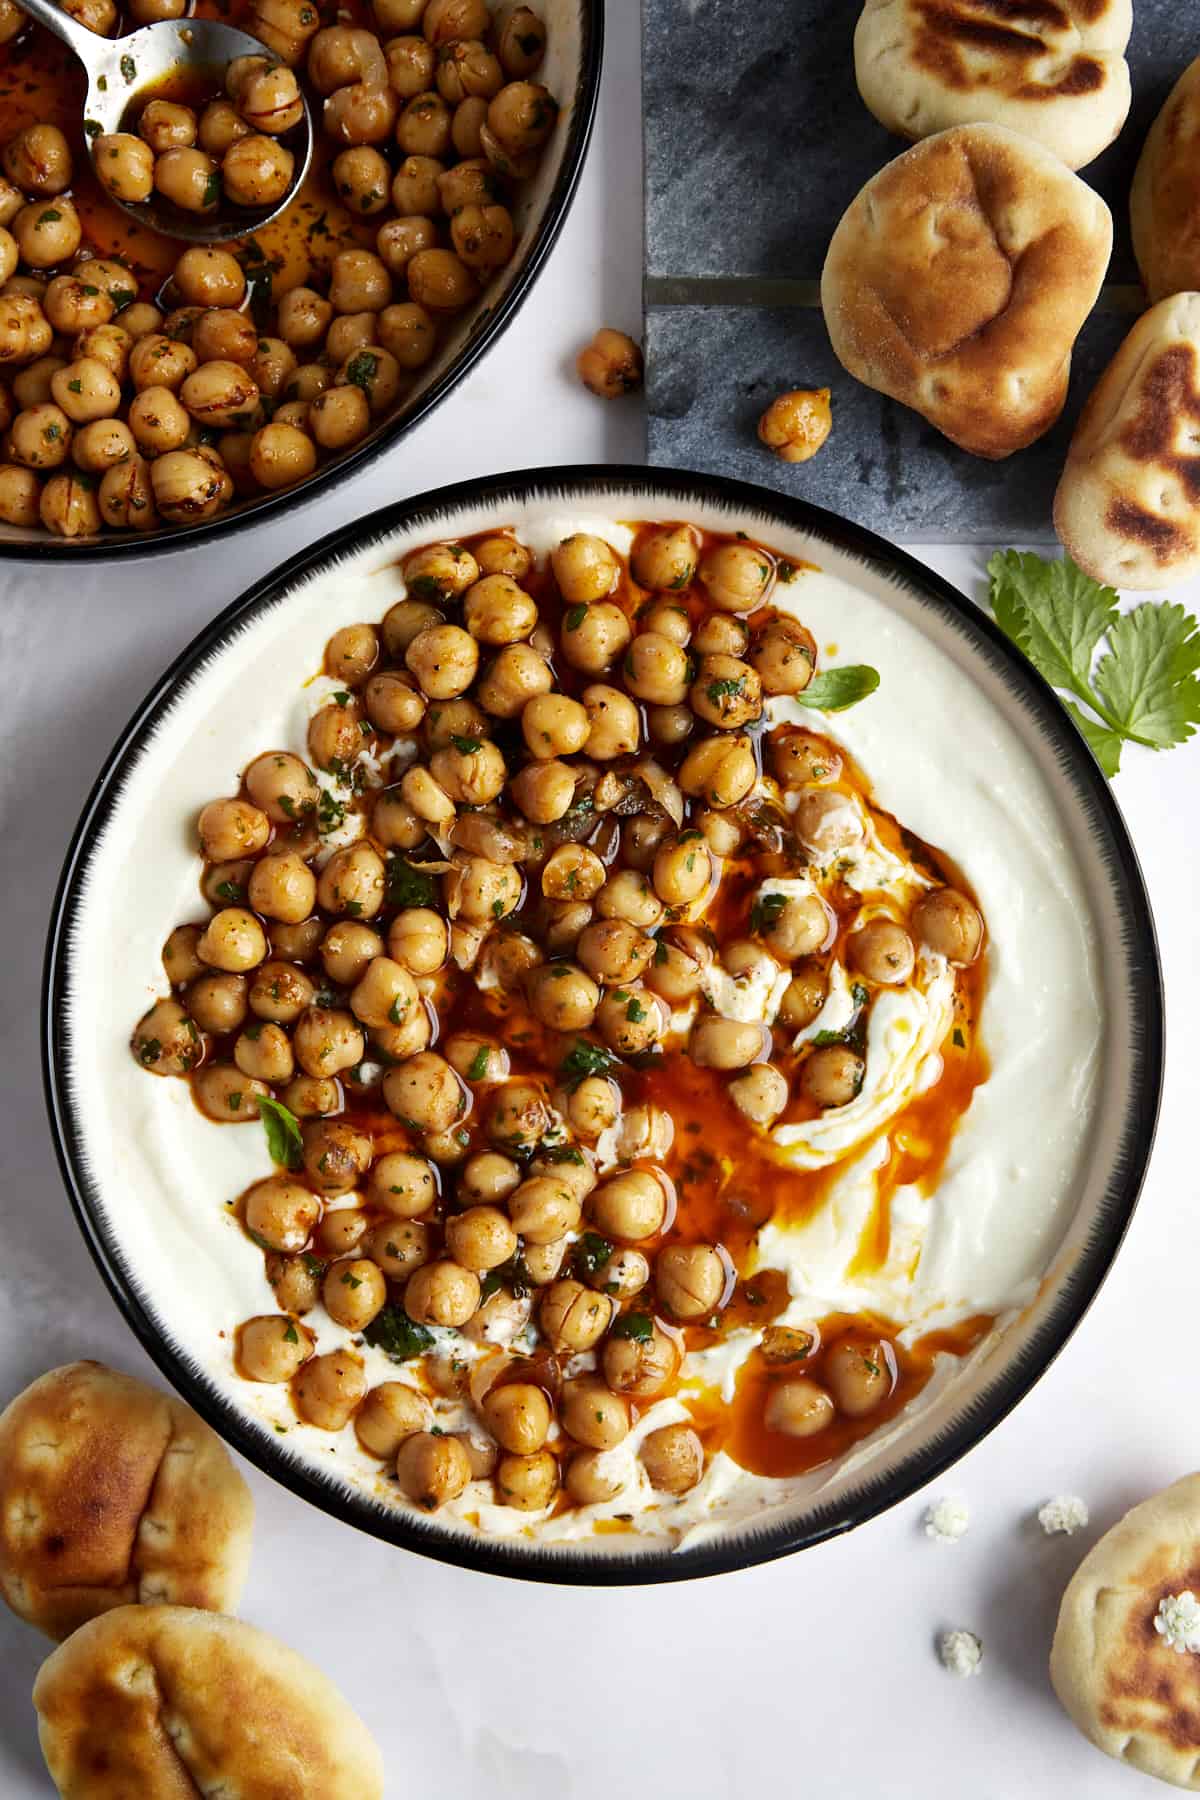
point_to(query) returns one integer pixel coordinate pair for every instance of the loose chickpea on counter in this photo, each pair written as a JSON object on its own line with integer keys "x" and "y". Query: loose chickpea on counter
{"x": 228, "y": 373}
{"x": 796, "y": 424}
{"x": 501, "y": 1036}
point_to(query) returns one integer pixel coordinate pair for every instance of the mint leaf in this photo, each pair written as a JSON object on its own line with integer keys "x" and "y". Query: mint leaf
{"x": 1148, "y": 677}
{"x": 284, "y": 1143}
{"x": 833, "y": 690}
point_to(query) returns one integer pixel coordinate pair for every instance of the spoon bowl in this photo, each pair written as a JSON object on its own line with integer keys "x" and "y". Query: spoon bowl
{"x": 122, "y": 70}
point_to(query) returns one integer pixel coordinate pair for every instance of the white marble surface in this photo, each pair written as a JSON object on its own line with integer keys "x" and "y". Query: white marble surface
{"x": 815, "y": 1675}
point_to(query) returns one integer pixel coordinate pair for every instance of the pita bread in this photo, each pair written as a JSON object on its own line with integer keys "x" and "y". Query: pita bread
{"x": 165, "y": 1703}
{"x": 1164, "y": 204}
{"x": 112, "y": 1492}
{"x": 1128, "y": 504}
{"x": 1127, "y": 1690}
{"x": 1054, "y": 69}
{"x": 958, "y": 280}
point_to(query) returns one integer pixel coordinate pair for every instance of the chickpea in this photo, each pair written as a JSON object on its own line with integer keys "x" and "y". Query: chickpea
{"x": 592, "y": 1415}
{"x": 784, "y": 655}
{"x": 164, "y": 125}
{"x": 656, "y": 669}
{"x": 31, "y": 385}
{"x": 346, "y": 950}
{"x": 683, "y": 869}
{"x": 311, "y": 1098}
{"x": 160, "y": 363}
{"x": 25, "y": 331}
{"x": 265, "y": 1052}
{"x": 481, "y": 1238}
{"x": 497, "y": 611}
{"x": 614, "y": 952}
{"x": 479, "y": 890}
{"x": 544, "y": 1209}
{"x": 632, "y": 1206}
{"x": 281, "y": 1212}
{"x": 354, "y": 1292}
{"x": 798, "y": 1408}
{"x": 385, "y": 994}
{"x": 572, "y": 872}
{"x": 221, "y": 334}
{"x": 487, "y": 1178}
{"x": 269, "y": 100}
{"x": 158, "y": 422}
{"x": 280, "y": 455}
{"x": 444, "y": 659}
{"x": 631, "y": 1020}
{"x": 255, "y": 170}
{"x": 727, "y": 692}
{"x": 272, "y": 367}
{"x": 441, "y": 1293}
{"x": 233, "y": 940}
{"x": 796, "y": 424}
{"x": 414, "y": 186}
{"x": 20, "y": 494}
{"x": 232, "y": 828}
{"x": 338, "y": 57}
{"x": 71, "y": 304}
{"x": 518, "y": 1416}
{"x": 352, "y": 881}
{"x": 826, "y": 822}
{"x": 432, "y": 1471}
{"x": 554, "y": 725}
{"x": 804, "y": 996}
{"x": 190, "y": 179}
{"x": 179, "y": 957}
{"x": 543, "y": 791}
{"x": 296, "y": 943}
{"x": 446, "y": 21}
{"x": 737, "y": 577}
{"x": 418, "y": 940}
{"x": 721, "y": 770}
{"x": 352, "y": 653}
{"x": 673, "y": 1458}
{"x": 226, "y": 1096}
{"x": 861, "y": 1374}
{"x": 471, "y": 182}
{"x": 103, "y": 444}
{"x": 390, "y": 1414}
{"x": 426, "y": 1090}
{"x": 399, "y": 1246}
{"x": 410, "y": 64}
{"x": 140, "y": 319}
{"x": 611, "y": 365}
{"x": 327, "y": 1041}
{"x": 335, "y": 733}
{"x": 423, "y": 127}
{"x": 690, "y": 1280}
{"x": 165, "y": 1039}
{"x": 471, "y": 777}
{"x": 946, "y": 922}
{"x": 572, "y": 1318}
{"x": 124, "y": 165}
{"x": 426, "y": 798}
{"x": 666, "y": 559}
{"x": 832, "y": 1075}
{"x": 279, "y": 991}
{"x": 562, "y": 997}
{"x": 760, "y": 1094}
{"x": 614, "y": 728}
{"x": 528, "y": 1483}
{"x": 219, "y": 393}
{"x": 594, "y": 640}
{"x": 401, "y": 1185}
{"x": 303, "y": 318}
{"x": 335, "y": 1155}
{"x": 587, "y": 1481}
{"x": 273, "y": 1347}
{"x": 440, "y": 281}
{"x": 515, "y": 676}
{"x": 668, "y": 619}
{"x": 38, "y": 160}
{"x": 882, "y": 951}
{"x": 522, "y": 116}
{"x": 40, "y": 437}
{"x": 585, "y": 568}
{"x": 219, "y": 126}
{"x": 329, "y": 1388}
{"x": 593, "y": 1106}
{"x": 641, "y": 1367}
{"x": 218, "y": 1002}
{"x": 340, "y": 1231}
{"x": 294, "y": 1280}
{"x": 86, "y": 390}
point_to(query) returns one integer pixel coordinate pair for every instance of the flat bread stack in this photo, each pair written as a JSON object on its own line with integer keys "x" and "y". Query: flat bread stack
{"x": 1117, "y": 1674}
{"x": 959, "y": 279}
{"x": 1052, "y": 69}
{"x": 1164, "y": 204}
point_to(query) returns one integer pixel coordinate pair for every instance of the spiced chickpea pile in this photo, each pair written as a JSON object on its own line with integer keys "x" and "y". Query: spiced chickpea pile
{"x": 461, "y": 959}
{"x": 129, "y": 401}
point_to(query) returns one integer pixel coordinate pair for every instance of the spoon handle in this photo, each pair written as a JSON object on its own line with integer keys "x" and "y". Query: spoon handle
{"x": 82, "y": 41}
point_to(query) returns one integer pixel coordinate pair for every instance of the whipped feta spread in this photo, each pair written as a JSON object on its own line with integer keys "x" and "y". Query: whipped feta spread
{"x": 945, "y": 763}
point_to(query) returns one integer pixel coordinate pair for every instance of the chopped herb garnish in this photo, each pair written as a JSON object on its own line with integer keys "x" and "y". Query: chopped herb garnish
{"x": 466, "y": 746}
{"x": 479, "y": 1064}
{"x": 764, "y": 914}
{"x": 398, "y": 1010}
{"x": 291, "y": 1335}
{"x": 592, "y": 1252}
{"x": 638, "y": 1326}
{"x": 584, "y": 1059}
{"x": 362, "y": 369}
{"x": 635, "y": 1012}
{"x": 128, "y": 67}
{"x": 398, "y": 1336}
{"x": 229, "y": 890}
{"x": 575, "y": 617}
{"x": 958, "y": 1039}
{"x": 408, "y": 886}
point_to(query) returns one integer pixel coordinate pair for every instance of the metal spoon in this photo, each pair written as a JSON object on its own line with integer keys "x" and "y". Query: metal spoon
{"x": 119, "y": 69}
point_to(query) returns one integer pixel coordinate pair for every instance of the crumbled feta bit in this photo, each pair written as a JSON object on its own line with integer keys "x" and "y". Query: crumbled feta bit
{"x": 947, "y": 1519}
{"x": 1177, "y": 1621}
{"x": 961, "y": 1652}
{"x": 1066, "y": 1512}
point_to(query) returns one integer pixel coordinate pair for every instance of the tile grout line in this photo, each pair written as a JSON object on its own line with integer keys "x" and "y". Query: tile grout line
{"x": 757, "y": 291}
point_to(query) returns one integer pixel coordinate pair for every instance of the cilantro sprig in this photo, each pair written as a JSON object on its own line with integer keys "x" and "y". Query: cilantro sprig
{"x": 1134, "y": 672}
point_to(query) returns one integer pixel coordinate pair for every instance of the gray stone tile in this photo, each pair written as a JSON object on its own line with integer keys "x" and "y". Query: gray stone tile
{"x": 756, "y": 139}
{"x": 712, "y": 370}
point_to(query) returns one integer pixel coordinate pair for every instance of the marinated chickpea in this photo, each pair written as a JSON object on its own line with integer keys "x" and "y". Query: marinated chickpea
{"x": 655, "y": 669}
{"x": 721, "y": 770}
{"x": 20, "y": 492}
{"x": 71, "y": 305}
{"x": 326, "y": 1041}
{"x": 86, "y": 390}
{"x": 272, "y": 367}
{"x": 227, "y": 1096}
{"x": 471, "y": 776}
{"x": 799, "y": 927}
{"x": 426, "y": 1090}
{"x": 269, "y": 100}
{"x": 190, "y": 179}
{"x": 831, "y": 1076}
{"x": 410, "y": 62}
{"x": 103, "y": 444}
{"x": 667, "y": 618}
{"x": 640, "y": 1367}
{"x": 222, "y": 334}
{"x": 334, "y": 1155}
{"x": 628, "y": 895}
{"x": 727, "y": 692}
{"x": 784, "y": 656}
{"x": 611, "y": 365}
{"x": 487, "y": 1179}
{"x": 673, "y": 1458}
{"x": 295, "y": 1281}
{"x": 521, "y": 41}
{"x": 126, "y": 497}
{"x": 440, "y": 281}
{"x": 390, "y": 1414}
{"x": 354, "y": 1291}
{"x": 666, "y": 559}
{"x": 544, "y": 791}
{"x": 233, "y": 940}
{"x": 614, "y": 953}
{"x": 167, "y": 126}
{"x": 165, "y": 1040}
{"x": 401, "y": 1185}
{"x": 441, "y": 1293}
{"x": 444, "y": 659}
{"x": 310, "y": 1098}
{"x": 593, "y": 1415}
{"x": 513, "y": 678}
{"x": 446, "y": 21}
{"x": 631, "y": 1020}
{"x": 340, "y": 1231}
{"x": 281, "y": 1213}
{"x": 218, "y": 1002}
{"x": 346, "y": 949}
{"x": 472, "y": 182}
{"x": 585, "y": 568}
{"x": 232, "y": 828}
{"x": 632, "y": 1206}
{"x": 861, "y": 1374}
{"x": 304, "y": 318}
{"x": 825, "y": 821}
{"x": 573, "y": 1318}
{"x": 544, "y": 1209}
{"x": 159, "y": 362}
{"x": 690, "y": 1280}
{"x": 481, "y": 1238}
{"x": 562, "y": 997}
{"x": 219, "y": 126}
{"x": 760, "y": 1094}
{"x": 352, "y": 881}
{"x": 683, "y": 869}
{"x": 946, "y": 922}
{"x": 423, "y": 127}
{"x": 352, "y": 653}
{"x": 273, "y": 1347}
{"x": 802, "y": 759}
{"x": 255, "y": 170}
{"x": 518, "y": 1416}
{"x": 882, "y": 951}
{"x": 614, "y": 728}
{"x": 280, "y": 454}
{"x": 329, "y": 1389}
{"x": 528, "y": 1483}
{"x": 158, "y": 421}
{"x": 40, "y": 437}
{"x": 185, "y": 486}
{"x": 737, "y": 577}
{"x": 179, "y": 955}
{"x": 399, "y": 1246}
{"x": 296, "y": 943}
{"x": 431, "y": 1471}
{"x": 265, "y": 1052}
{"x": 716, "y": 1043}
{"x": 796, "y": 424}
{"x": 798, "y": 1408}
{"x": 279, "y": 991}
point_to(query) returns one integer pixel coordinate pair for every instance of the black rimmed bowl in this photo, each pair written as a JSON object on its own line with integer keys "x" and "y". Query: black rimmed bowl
{"x": 128, "y": 1144}
{"x": 572, "y": 72}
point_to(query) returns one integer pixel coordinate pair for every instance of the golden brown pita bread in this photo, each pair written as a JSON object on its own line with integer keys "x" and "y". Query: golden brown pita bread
{"x": 1128, "y": 503}
{"x": 1164, "y": 205}
{"x": 958, "y": 280}
{"x": 112, "y": 1492}
{"x": 1126, "y": 1689}
{"x": 164, "y": 1703}
{"x": 1053, "y": 69}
